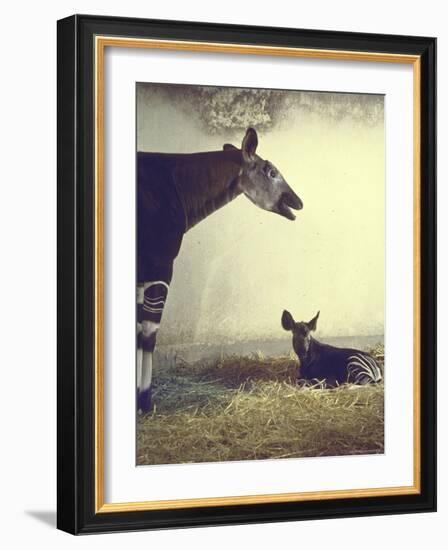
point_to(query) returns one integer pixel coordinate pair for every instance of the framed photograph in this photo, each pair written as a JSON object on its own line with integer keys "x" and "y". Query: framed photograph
{"x": 246, "y": 274}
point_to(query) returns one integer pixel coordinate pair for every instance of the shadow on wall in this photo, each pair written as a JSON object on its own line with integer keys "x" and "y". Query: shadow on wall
{"x": 47, "y": 517}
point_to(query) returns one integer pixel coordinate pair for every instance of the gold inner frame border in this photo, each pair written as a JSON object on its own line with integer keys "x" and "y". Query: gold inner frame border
{"x": 100, "y": 44}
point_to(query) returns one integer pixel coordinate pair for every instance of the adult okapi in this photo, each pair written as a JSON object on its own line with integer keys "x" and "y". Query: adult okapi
{"x": 327, "y": 363}
{"x": 174, "y": 193}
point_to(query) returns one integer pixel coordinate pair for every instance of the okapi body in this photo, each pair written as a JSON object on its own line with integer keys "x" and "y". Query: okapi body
{"x": 174, "y": 193}
{"x": 322, "y": 362}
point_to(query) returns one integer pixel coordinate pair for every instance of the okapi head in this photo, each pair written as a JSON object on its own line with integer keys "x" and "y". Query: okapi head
{"x": 262, "y": 183}
{"x": 301, "y": 332}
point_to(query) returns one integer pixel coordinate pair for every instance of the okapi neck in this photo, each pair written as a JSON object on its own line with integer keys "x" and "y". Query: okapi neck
{"x": 206, "y": 182}
{"x": 307, "y": 359}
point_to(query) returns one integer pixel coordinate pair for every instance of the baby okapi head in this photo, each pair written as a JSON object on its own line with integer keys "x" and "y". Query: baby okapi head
{"x": 301, "y": 332}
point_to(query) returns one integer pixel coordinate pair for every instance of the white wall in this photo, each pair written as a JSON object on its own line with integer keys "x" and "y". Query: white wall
{"x": 27, "y": 292}
{"x": 331, "y": 259}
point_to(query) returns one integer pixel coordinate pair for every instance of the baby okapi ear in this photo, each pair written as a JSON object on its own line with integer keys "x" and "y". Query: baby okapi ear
{"x": 313, "y": 323}
{"x": 250, "y": 144}
{"x": 229, "y": 147}
{"x": 287, "y": 320}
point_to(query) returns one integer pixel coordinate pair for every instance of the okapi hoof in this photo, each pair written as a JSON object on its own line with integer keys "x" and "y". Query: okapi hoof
{"x": 144, "y": 402}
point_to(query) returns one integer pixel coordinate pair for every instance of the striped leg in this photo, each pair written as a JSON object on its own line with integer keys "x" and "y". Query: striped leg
{"x": 154, "y": 297}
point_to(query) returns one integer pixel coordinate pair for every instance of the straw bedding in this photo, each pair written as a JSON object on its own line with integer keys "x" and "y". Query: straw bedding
{"x": 246, "y": 408}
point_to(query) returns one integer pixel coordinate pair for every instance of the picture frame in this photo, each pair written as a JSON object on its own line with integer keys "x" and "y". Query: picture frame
{"x": 82, "y": 42}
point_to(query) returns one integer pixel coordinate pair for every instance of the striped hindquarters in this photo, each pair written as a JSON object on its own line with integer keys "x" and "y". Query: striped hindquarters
{"x": 363, "y": 369}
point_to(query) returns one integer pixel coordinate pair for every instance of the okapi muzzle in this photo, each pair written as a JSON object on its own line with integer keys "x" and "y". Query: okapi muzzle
{"x": 288, "y": 200}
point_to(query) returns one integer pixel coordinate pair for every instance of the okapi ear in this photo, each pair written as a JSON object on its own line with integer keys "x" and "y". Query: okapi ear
{"x": 250, "y": 144}
{"x": 287, "y": 320}
{"x": 229, "y": 147}
{"x": 313, "y": 323}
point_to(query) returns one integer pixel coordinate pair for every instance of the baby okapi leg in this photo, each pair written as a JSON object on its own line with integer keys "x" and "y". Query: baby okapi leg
{"x": 155, "y": 293}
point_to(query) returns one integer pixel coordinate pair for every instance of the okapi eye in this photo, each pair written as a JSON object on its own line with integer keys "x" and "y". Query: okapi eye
{"x": 272, "y": 173}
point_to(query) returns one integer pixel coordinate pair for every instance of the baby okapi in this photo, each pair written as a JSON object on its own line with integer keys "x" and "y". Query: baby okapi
{"x": 327, "y": 363}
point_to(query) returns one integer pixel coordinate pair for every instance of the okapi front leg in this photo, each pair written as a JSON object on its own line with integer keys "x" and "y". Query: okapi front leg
{"x": 154, "y": 298}
{"x": 140, "y": 297}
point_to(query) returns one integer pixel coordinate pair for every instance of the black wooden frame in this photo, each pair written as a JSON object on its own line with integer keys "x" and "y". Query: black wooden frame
{"x": 76, "y": 512}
